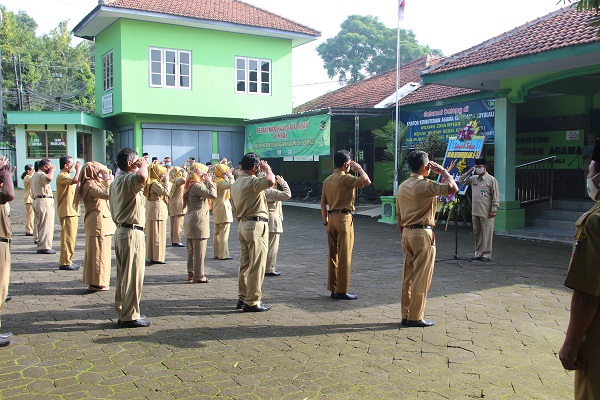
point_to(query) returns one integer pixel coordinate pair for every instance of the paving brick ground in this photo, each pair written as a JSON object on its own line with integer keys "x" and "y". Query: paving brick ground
{"x": 498, "y": 325}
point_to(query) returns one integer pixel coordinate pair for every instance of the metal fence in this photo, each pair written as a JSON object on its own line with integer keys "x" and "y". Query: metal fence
{"x": 534, "y": 181}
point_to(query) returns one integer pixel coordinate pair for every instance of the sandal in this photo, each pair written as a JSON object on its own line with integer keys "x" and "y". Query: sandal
{"x": 203, "y": 280}
{"x": 96, "y": 288}
{"x": 190, "y": 277}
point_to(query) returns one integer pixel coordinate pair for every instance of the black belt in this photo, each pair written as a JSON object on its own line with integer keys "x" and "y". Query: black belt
{"x": 132, "y": 226}
{"x": 340, "y": 211}
{"x": 4, "y": 240}
{"x": 258, "y": 219}
{"x": 417, "y": 226}
{"x": 44, "y": 197}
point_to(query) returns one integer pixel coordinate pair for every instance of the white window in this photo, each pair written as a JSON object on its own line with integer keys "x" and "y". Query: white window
{"x": 170, "y": 68}
{"x": 252, "y": 75}
{"x": 107, "y": 71}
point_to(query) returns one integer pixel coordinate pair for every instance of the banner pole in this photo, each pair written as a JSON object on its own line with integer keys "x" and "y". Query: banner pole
{"x": 395, "y": 188}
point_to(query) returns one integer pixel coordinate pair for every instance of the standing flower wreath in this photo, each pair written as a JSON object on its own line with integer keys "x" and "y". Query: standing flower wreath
{"x": 470, "y": 127}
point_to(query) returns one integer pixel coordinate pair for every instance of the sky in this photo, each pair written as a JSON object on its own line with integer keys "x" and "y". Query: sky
{"x": 450, "y": 26}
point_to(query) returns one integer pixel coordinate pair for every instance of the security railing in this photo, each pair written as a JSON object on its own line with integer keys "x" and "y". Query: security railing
{"x": 534, "y": 181}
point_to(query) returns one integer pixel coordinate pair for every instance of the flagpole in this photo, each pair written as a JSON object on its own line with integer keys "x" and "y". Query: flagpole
{"x": 400, "y": 11}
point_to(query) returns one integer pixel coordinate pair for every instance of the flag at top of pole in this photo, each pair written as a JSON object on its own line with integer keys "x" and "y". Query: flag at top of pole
{"x": 401, "y": 9}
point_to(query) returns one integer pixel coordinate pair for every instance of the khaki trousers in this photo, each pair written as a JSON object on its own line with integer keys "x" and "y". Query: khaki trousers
{"x": 340, "y": 239}
{"x": 221, "y": 240}
{"x": 130, "y": 248}
{"x": 4, "y": 272}
{"x": 45, "y": 213}
{"x": 418, "y": 248}
{"x": 156, "y": 240}
{"x": 273, "y": 250}
{"x": 587, "y": 378}
{"x": 97, "y": 260}
{"x": 36, "y": 223}
{"x": 29, "y": 217}
{"x": 253, "y": 236}
{"x": 196, "y": 252}
{"x": 176, "y": 228}
{"x": 68, "y": 235}
{"x": 483, "y": 229}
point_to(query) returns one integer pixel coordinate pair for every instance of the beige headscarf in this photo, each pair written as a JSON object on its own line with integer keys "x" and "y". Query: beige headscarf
{"x": 88, "y": 176}
{"x": 155, "y": 171}
{"x": 176, "y": 173}
{"x": 220, "y": 171}
{"x": 193, "y": 178}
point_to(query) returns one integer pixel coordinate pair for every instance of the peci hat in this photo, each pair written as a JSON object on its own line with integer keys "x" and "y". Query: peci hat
{"x": 480, "y": 161}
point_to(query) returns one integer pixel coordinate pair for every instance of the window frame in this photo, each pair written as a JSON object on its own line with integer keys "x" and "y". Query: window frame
{"x": 259, "y": 76}
{"x": 108, "y": 73}
{"x": 46, "y": 145}
{"x": 163, "y": 68}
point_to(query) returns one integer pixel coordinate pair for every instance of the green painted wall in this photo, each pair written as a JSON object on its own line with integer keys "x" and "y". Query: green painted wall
{"x": 109, "y": 39}
{"x": 554, "y": 106}
{"x": 213, "y": 74}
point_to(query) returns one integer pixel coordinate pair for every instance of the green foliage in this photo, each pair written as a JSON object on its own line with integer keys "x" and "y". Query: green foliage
{"x": 364, "y": 47}
{"x": 433, "y": 145}
{"x": 387, "y": 134}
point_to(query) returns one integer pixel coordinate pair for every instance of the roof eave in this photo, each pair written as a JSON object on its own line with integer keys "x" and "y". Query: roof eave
{"x": 102, "y": 17}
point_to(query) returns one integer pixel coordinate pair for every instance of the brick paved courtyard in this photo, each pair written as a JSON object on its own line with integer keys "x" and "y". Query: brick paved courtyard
{"x": 498, "y": 325}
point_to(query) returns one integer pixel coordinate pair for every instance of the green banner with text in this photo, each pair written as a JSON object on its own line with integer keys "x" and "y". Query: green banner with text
{"x": 304, "y": 136}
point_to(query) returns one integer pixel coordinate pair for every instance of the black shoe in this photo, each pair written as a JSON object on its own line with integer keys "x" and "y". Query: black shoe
{"x": 158, "y": 262}
{"x": 228, "y": 258}
{"x": 29, "y": 234}
{"x": 6, "y": 335}
{"x": 485, "y": 259}
{"x": 240, "y": 305}
{"x": 333, "y": 295}
{"x": 345, "y": 296}
{"x": 403, "y": 321}
{"x": 276, "y": 273}
{"x": 475, "y": 258}
{"x": 178, "y": 245}
{"x": 136, "y": 323}
{"x": 419, "y": 324}
{"x": 72, "y": 267}
{"x": 5, "y": 342}
{"x": 46, "y": 251}
{"x": 8, "y": 298}
{"x": 259, "y": 308}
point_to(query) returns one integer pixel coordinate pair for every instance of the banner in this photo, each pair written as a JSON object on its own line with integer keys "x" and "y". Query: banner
{"x": 444, "y": 121}
{"x": 460, "y": 156}
{"x": 305, "y": 136}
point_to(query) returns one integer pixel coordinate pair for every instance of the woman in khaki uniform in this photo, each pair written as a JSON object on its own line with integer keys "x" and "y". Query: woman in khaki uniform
{"x": 28, "y": 200}
{"x": 94, "y": 182}
{"x": 221, "y": 206}
{"x": 157, "y": 193}
{"x": 177, "y": 176}
{"x": 199, "y": 189}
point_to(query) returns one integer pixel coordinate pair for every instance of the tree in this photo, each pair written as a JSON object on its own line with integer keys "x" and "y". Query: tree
{"x": 364, "y": 47}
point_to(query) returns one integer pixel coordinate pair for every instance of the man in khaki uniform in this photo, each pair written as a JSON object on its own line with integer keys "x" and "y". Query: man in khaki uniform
{"x": 415, "y": 210}
{"x": 68, "y": 212}
{"x": 6, "y": 195}
{"x": 581, "y": 347}
{"x": 128, "y": 212}
{"x": 252, "y": 213}
{"x": 176, "y": 207}
{"x": 338, "y": 194}
{"x": 43, "y": 204}
{"x": 486, "y": 200}
{"x": 274, "y": 198}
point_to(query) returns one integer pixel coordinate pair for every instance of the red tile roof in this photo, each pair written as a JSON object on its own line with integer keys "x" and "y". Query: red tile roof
{"x": 232, "y": 11}
{"x": 562, "y": 28}
{"x": 371, "y": 91}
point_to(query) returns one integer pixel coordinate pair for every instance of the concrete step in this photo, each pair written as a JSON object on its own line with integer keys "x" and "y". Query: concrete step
{"x": 540, "y": 234}
{"x": 573, "y": 204}
{"x": 556, "y": 224}
{"x": 555, "y": 213}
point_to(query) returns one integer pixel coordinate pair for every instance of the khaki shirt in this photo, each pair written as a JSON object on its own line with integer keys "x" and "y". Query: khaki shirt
{"x": 338, "y": 190}
{"x": 40, "y": 186}
{"x": 176, "y": 198}
{"x": 416, "y": 200}
{"x": 5, "y": 226}
{"x": 97, "y": 221}
{"x": 65, "y": 193}
{"x": 485, "y": 192}
{"x": 196, "y": 221}
{"x": 126, "y": 200}
{"x": 156, "y": 204}
{"x": 248, "y": 196}
{"x": 274, "y": 199}
{"x": 222, "y": 212}
{"x": 27, "y": 186}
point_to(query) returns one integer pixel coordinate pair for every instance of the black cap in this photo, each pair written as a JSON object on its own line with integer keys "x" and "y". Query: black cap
{"x": 596, "y": 154}
{"x": 480, "y": 161}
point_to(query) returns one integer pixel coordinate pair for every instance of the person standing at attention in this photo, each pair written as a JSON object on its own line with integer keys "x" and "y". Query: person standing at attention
{"x": 43, "y": 205}
{"x": 28, "y": 200}
{"x": 68, "y": 211}
{"x": 338, "y": 194}
{"x": 221, "y": 207}
{"x": 129, "y": 214}
{"x": 486, "y": 200}
{"x": 581, "y": 347}
{"x": 415, "y": 210}
{"x": 7, "y": 194}
{"x": 252, "y": 213}
{"x": 157, "y": 212}
{"x": 177, "y": 176}
{"x": 274, "y": 198}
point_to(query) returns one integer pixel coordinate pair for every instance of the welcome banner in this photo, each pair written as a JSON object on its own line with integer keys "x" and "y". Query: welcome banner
{"x": 304, "y": 136}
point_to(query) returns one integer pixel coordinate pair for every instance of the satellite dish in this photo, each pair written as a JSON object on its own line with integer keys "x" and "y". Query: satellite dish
{"x": 57, "y": 89}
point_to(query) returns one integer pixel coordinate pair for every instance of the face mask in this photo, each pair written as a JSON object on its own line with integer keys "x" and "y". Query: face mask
{"x": 479, "y": 170}
{"x": 167, "y": 164}
{"x": 591, "y": 188}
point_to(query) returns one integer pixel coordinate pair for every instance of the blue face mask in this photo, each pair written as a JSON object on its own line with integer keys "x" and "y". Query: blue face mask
{"x": 167, "y": 164}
